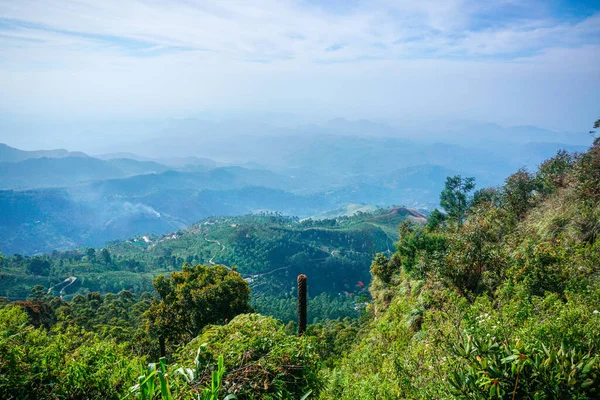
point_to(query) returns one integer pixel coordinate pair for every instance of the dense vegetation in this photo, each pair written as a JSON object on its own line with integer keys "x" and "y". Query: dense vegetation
{"x": 496, "y": 297}
{"x": 269, "y": 250}
{"x": 501, "y": 304}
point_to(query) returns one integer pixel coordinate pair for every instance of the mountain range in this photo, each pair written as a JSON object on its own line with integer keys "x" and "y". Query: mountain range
{"x": 60, "y": 199}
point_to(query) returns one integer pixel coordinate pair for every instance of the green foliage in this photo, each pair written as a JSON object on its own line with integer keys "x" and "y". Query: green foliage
{"x": 518, "y": 193}
{"x": 262, "y": 361}
{"x": 195, "y": 297}
{"x": 485, "y": 197}
{"x": 417, "y": 250}
{"x": 336, "y": 337}
{"x": 105, "y": 257}
{"x": 39, "y": 266}
{"x": 156, "y": 382}
{"x": 73, "y": 364}
{"x": 454, "y": 199}
{"x": 587, "y": 174}
{"x": 495, "y": 369}
{"x": 473, "y": 260}
{"x": 553, "y": 174}
{"x": 435, "y": 219}
{"x": 268, "y": 249}
{"x": 381, "y": 268}
{"x": 321, "y": 308}
{"x": 505, "y": 306}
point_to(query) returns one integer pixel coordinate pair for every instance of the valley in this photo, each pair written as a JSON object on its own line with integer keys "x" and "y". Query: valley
{"x": 61, "y": 200}
{"x": 267, "y": 249}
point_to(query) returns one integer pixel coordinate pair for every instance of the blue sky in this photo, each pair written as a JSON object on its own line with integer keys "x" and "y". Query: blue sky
{"x": 506, "y": 61}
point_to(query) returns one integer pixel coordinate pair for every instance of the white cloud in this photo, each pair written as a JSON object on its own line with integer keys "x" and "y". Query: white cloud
{"x": 392, "y": 58}
{"x": 274, "y": 29}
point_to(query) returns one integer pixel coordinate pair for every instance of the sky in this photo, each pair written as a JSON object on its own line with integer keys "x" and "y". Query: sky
{"x": 511, "y": 62}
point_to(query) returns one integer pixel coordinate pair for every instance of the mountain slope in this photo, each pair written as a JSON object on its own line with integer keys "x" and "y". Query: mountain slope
{"x": 38, "y": 221}
{"x": 268, "y": 249}
{"x": 69, "y": 171}
{"x": 10, "y": 154}
{"x": 503, "y": 306}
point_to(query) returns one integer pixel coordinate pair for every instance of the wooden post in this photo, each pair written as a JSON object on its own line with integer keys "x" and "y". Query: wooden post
{"x": 301, "y": 304}
{"x": 161, "y": 342}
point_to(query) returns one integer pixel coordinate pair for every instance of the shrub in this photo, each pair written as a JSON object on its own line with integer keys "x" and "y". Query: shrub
{"x": 75, "y": 364}
{"x": 261, "y": 360}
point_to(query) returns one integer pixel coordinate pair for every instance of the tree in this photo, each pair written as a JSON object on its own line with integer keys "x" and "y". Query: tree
{"x": 588, "y": 171}
{"x": 416, "y": 249}
{"x": 381, "y": 268}
{"x": 39, "y": 266}
{"x": 435, "y": 219}
{"x": 454, "y": 199}
{"x": 38, "y": 292}
{"x": 91, "y": 254}
{"x": 553, "y": 173}
{"x": 596, "y": 126}
{"x": 196, "y": 297}
{"x": 105, "y": 256}
{"x": 485, "y": 197}
{"x": 518, "y": 193}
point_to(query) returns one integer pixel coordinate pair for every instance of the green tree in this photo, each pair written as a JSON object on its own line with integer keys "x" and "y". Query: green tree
{"x": 454, "y": 199}
{"x": 518, "y": 193}
{"x": 553, "y": 173}
{"x": 39, "y": 266}
{"x": 195, "y": 297}
{"x": 105, "y": 256}
{"x": 38, "y": 292}
{"x": 484, "y": 197}
{"x": 588, "y": 173}
{"x": 435, "y": 219}
{"x": 596, "y": 126}
{"x": 417, "y": 249}
{"x": 91, "y": 254}
{"x": 381, "y": 268}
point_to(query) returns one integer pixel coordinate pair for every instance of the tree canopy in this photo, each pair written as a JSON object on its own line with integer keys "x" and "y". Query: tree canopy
{"x": 454, "y": 199}
{"x": 195, "y": 297}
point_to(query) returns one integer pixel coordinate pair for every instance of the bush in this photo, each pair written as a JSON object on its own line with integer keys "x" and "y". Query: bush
{"x": 261, "y": 360}
{"x": 491, "y": 368}
{"x": 76, "y": 364}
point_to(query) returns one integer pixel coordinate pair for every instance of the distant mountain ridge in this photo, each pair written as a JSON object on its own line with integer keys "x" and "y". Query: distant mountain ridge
{"x": 303, "y": 175}
{"x": 69, "y": 171}
{"x": 11, "y": 154}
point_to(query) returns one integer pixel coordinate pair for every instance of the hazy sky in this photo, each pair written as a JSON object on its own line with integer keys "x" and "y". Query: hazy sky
{"x": 511, "y": 62}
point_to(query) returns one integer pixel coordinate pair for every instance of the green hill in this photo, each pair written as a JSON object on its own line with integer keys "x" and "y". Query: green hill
{"x": 268, "y": 249}
{"x": 506, "y": 305}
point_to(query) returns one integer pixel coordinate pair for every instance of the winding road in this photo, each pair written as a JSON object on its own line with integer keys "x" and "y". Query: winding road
{"x": 211, "y": 262}
{"x": 69, "y": 281}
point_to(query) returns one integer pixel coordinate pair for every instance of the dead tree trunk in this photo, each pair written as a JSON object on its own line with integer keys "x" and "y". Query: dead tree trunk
{"x": 301, "y": 304}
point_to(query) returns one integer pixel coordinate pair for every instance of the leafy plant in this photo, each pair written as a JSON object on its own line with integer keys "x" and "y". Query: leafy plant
{"x": 147, "y": 388}
{"x": 495, "y": 369}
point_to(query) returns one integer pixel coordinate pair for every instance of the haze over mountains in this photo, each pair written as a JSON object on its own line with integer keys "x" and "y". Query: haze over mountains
{"x": 193, "y": 169}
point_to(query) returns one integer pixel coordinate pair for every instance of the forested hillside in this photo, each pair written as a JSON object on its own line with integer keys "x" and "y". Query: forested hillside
{"x": 497, "y": 297}
{"x": 268, "y": 249}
